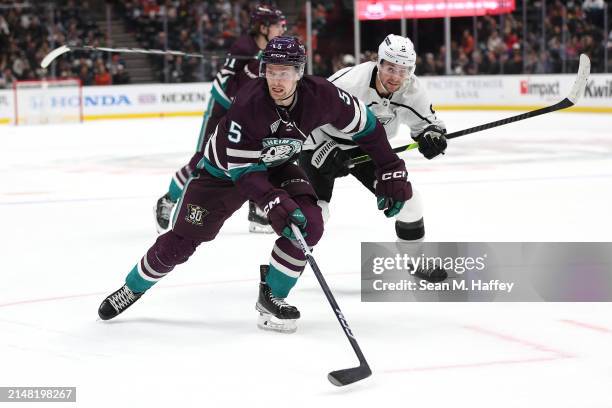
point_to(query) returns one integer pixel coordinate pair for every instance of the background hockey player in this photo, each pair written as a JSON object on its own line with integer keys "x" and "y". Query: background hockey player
{"x": 395, "y": 95}
{"x": 266, "y": 23}
{"x": 251, "y": 155}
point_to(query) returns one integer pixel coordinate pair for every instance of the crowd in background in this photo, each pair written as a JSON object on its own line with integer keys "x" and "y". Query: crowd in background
{"x": 570, "y": 28}
{"x": 193, "y": 26}
{"x": 30, "y": 30}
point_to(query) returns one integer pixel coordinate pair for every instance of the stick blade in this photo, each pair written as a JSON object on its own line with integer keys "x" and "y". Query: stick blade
{"x": 349, "y": 375}
{"x": 584, "y": 69}
{"x": 50, "y": 57}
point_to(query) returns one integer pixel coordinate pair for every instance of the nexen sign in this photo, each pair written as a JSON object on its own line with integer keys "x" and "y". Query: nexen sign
{"x": 180, "y": 97}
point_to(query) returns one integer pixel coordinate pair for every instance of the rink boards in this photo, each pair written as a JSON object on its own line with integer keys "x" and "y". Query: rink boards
{"x": 510, "y": 92}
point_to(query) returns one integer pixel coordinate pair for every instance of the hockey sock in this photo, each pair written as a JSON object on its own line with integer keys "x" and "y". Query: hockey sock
{"x": 175, "y": 191}
{"x": 286, "y": 266}
{"x": 147, "y": 272}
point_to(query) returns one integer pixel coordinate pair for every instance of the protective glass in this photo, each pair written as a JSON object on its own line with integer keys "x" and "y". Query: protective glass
{"x": 280, "y": 72}
{"x": 395, "y": 70}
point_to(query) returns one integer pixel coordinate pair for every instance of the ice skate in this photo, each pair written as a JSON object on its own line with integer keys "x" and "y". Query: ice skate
{"x": 162, "y": 211}
{"x": 274, "y": 313}
{"x": 258, "y": 222}
{"x": 117, "y": 302}
{"x": 434, "y": 275}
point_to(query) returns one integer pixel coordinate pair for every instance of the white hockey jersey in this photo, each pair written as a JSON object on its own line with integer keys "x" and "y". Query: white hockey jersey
{"x": 410, "y": 107}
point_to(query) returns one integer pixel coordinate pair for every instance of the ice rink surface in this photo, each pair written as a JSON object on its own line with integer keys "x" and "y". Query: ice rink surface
{"x": 76, "y": 204}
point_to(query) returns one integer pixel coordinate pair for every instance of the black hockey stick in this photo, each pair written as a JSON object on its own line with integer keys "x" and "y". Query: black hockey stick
{"x": 51, "y": 56}
{"x": 347, "y": 375}
{"x": 577, "y": 90}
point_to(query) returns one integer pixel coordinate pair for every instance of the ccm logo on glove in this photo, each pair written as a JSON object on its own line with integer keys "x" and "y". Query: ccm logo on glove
{"x": 271, "y": 205}
{"x": 394, "y": 175}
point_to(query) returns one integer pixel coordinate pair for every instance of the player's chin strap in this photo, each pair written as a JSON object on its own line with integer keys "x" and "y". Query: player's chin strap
{"x": 381, "y": 82}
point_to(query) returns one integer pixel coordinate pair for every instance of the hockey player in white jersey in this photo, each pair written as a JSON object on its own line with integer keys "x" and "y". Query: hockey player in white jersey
{"x": 391, "y": 90}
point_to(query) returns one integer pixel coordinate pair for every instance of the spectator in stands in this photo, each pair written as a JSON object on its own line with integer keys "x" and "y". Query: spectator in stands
{"x": 6, "y": 78}
{"x": 102, "y": 76}
{"x": 495, "y": 43}
{"x": 467, "y": 42}
{"x": 85, "y": 75}
{"x": 319, "y": 66}
{"x": 515, "y": 63}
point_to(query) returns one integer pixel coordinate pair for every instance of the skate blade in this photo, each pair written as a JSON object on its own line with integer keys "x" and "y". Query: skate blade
{"x": 271, "y": 323}
{"x": 256, "y": 228}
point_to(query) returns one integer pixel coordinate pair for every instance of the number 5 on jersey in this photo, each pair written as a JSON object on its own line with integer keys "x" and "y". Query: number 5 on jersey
{"x": 345, "y": 97}
{"x": 234, "y": 132}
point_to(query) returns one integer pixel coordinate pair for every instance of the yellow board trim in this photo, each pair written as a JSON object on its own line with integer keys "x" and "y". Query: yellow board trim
{"x": 143, "y": 115}
{"x": 523, "y": 108}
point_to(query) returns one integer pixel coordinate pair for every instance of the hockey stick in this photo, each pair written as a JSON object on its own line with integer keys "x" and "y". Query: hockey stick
{"x": 577, "y": 90}
{"x": 50, "y": 57}
{"x": 347, "y": 375}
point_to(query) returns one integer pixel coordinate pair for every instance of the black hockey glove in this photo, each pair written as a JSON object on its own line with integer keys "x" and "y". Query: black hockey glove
{"x": 330, "y": 160}
{"x": 432, "y": 141}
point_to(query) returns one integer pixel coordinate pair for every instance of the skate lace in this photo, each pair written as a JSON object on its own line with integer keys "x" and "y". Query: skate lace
{"x": 279, "y": 302}
{"x": 123, "y": 298}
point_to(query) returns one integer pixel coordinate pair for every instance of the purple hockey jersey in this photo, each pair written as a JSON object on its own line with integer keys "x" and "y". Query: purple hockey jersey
{"x": 256, "y": 134}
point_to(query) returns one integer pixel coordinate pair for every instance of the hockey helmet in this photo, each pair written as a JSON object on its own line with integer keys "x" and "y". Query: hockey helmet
{"x": 284, "y": 51}
{"x": 267, "y": 15}
{"x": 398, "y": 50}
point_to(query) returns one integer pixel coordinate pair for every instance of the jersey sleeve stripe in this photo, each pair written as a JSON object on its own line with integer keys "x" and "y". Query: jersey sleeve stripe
{"x": 369, "y": 127}
{"x": 363, "y": 116}
{"x": 236, "y": 173}
{"x": 213, "y": 146}
{"x": 249, "y": 154}
{"x": 355, "y": 121}
{"x": 234, "y": 165}
{"x": 339, "y": 74}
{"x": 219, "y": 94}
{"x": 413, "y": 111}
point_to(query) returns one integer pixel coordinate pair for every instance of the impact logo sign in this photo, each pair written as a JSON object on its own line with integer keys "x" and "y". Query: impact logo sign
{"x": 278, "y": 151}
{"x": 541, "y": 89}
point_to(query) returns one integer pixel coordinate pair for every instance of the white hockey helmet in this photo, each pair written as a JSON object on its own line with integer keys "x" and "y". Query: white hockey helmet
{"x": 398, "y": 50}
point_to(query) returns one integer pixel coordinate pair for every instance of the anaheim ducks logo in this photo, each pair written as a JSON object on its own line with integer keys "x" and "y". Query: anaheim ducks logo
{"x": 278, "y": 151}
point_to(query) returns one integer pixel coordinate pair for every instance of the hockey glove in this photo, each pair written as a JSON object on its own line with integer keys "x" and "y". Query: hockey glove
{"x": 432, "y": 141}
{"x": 282, "y": 211}
{"x": 330, "y": 160}
{"x": 392, "y": 188}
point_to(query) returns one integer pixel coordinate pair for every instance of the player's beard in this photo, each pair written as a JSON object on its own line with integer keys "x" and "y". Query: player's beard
{"x": 391, "y": 88}
{"x": 287, "y": 98}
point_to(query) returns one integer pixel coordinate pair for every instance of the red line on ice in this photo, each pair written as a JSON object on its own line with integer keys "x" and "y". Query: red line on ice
{"x": 587, "y": 326}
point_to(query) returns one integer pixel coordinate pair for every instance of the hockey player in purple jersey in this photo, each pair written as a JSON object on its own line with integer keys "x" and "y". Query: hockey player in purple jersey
{"x": 251, "y": 156}
{"x": 266, "y": 23}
